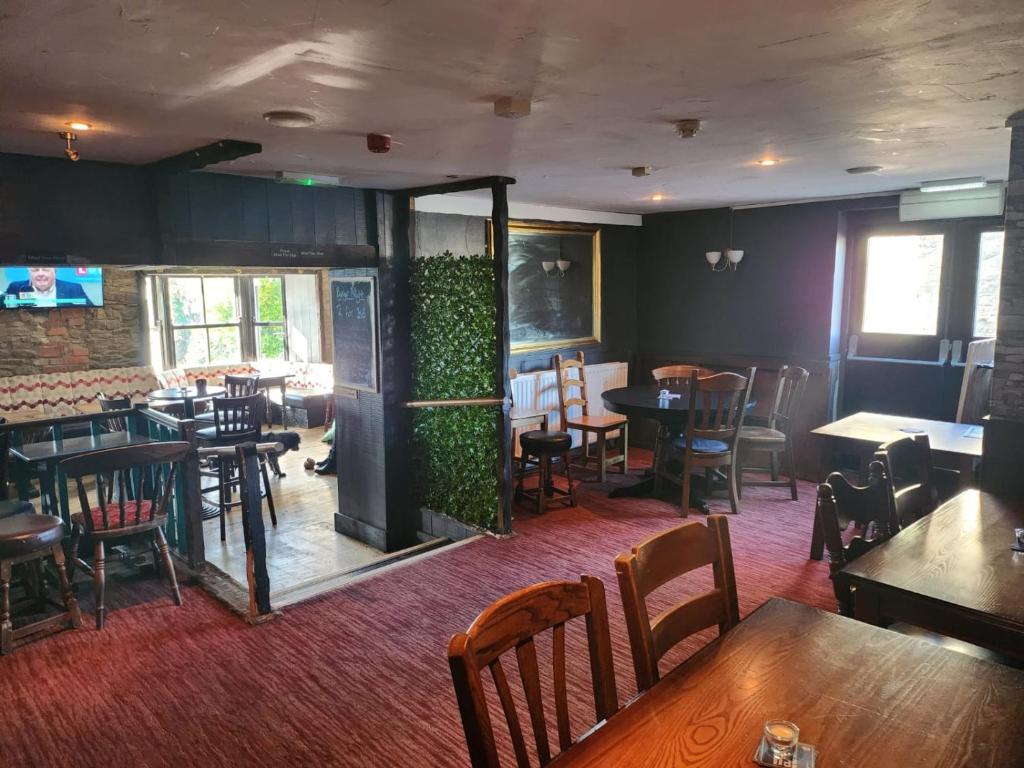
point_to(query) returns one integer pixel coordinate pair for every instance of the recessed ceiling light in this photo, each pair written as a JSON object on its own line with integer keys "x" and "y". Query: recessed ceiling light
{"x": 858, "y": 169}
{"x": 657, "y": 197}
{"x": 766, "y": 162}
{"x": 77, "y": 126}
{"x": 286, "y": 118}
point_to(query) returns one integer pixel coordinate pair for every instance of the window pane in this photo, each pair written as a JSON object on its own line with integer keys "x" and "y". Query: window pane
{"x": 190, "y": 347}
{"x": 986, "y": 297}
{"x": 224, "y": 345}
{"x": 901, "y": 287}
{"x": 186, "y": 297}
{"x": 270, "y": 342}
{"x": 269, "y": 301}
{"x": 220, "y": 300}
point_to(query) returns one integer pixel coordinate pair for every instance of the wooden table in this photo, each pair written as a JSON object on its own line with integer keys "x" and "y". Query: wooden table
{"x": 863, "y": 696}
{"x": 864, "y": 432}
{"x": 951, "y": 572}
{"x": 185, "y": 395}
{"x": 45, "y": 457}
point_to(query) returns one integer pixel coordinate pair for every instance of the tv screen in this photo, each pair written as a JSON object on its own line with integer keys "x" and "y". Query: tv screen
{"x": 51, "y": 287}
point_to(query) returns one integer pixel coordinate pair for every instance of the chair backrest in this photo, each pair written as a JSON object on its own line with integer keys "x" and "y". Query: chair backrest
{"x": 678, "y": 375}
{"x": 116, "y": 423}
{"x": 570, "y": 374}
{"x": 717, "y": 406}
{"x": 979, "y": 352}
{"x": 238, "y": 418}
{"x": 789, "y": 391}
{"x": 656, "y": 561}
{"x": 240, "y": 386}
{"x": 977, "y": 395}
{"x": 908, "y": 467}
{"x": 144, "y": 478}
{"x": 841, "y": 503}
{"x": 513, "y": 622}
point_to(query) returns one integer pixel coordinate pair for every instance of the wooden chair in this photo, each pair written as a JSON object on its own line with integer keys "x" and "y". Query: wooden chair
{"x": 840, "y": 503}
{"x": 116, "y": 423}
{"x": 776, "y": 437}
{"x": 236, "y": 420}
{"x": 908, "y": 467}
{"x": 678, "y": 375}
{"x": 241, "y": 386}
{"x": 153, "y": 468}
{"x": 513, "y": 622}
{"x": 717, "y": 405}
{"x": 5, "y": 447}
{"x": 571, "y": 375}
{"x": 656, "y": 561}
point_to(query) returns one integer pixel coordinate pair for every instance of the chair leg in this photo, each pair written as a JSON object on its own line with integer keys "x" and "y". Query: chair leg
{"x": 222, "y": 511}
{"x": 543, "y": 468}
{"x": 684, "y": 506}
{"x": 65, "y": 587}
{"x": 738, "y": 464}
{"x": 734, "y": 493}
{"x": 568, "y": 480}
{"x": 270, "y": 495}
{"x": 791, "y": 462}
{"x": 6, "y": 628}
{"x": 774, "y": 465}
{"x": 165, "y": 557}
{"x": 99, "y": 568}
{"x": 602, "y": 456}
{"x": 39, "y": 584}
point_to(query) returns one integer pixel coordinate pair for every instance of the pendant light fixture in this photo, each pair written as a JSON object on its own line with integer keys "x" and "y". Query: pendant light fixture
{"x": 733, "y": 256}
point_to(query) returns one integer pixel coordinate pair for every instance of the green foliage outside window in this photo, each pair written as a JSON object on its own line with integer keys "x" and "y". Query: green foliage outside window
{"x": 454, "y": 343}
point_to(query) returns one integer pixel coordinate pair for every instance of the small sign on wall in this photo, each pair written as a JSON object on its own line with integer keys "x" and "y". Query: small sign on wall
{"x": 354, "y": 317}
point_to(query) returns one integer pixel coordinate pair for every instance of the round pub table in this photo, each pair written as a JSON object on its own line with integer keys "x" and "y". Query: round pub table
{"x": 642, "y": 402}
{"x": 185, "y": 395}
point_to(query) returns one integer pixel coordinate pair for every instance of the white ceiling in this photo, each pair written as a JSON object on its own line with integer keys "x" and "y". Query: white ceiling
{"x": 922, "y": 88}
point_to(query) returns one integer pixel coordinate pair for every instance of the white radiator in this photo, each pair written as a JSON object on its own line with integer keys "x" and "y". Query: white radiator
{"x": 538, "y": 391}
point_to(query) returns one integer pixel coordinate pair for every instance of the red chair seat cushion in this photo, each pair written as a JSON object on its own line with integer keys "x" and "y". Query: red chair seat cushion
{"x": 114, "y": 515}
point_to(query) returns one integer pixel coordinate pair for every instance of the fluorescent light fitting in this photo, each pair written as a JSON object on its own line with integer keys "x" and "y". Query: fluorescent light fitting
{"x": 952, "y": 185}
{"x": 308, "y": 179}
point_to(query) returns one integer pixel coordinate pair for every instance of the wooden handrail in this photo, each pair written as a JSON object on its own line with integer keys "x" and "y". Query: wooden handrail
{"x": 456, "y": 402}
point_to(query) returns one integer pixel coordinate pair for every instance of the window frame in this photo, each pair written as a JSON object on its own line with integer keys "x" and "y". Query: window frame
{"x": 245, "y": 301}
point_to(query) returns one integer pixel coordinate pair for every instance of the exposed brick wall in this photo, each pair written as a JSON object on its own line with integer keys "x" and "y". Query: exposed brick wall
{"x": 1008, "y": 376}
{"x": 77, "y": 339}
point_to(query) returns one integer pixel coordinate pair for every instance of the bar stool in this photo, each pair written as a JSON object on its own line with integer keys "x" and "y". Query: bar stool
{"x": 28, "y": 538}
{"x": 545, "y": 445}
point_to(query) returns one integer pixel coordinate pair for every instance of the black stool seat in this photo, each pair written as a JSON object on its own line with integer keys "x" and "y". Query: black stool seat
{"x": 15, "y": 507}
{"x": 539, "y": 441}
{"x": 27, "y": 533}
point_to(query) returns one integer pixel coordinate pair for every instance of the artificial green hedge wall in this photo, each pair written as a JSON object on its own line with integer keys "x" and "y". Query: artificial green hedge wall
{"x": 454, "y": 343}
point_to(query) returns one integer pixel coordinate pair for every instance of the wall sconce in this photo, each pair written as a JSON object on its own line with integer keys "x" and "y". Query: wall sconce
{"x": 562, "y": 266}
{"x": 733, "y": 256}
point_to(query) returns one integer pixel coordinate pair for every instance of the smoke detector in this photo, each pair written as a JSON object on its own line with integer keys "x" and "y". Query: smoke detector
{"x": 512, "y": 107}
{"x": 286, "y": 118}
{"x": 642, "y": 170}
{"x": 688, "y": 128}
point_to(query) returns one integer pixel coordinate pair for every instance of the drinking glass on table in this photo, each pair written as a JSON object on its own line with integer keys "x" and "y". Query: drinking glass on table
{"x": 782, "y": 737}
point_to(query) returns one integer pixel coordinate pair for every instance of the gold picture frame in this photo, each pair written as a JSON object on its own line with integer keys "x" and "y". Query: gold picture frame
{"x": 536, "y": 304}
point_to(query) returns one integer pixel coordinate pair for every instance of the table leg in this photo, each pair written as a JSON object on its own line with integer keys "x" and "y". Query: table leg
{"x": 189, "y": 408}
{"x": 967, "y": 472}
{"x": 867, "y": 606}
{"x": 825, "y": 459}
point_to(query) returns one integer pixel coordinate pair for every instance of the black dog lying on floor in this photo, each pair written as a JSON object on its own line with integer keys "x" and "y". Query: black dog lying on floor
{"x": 290, "y": 441}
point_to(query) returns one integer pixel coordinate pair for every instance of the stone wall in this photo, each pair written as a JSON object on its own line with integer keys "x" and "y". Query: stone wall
{"x": 76, "y": 339}
{"x": 1008, "y": 376}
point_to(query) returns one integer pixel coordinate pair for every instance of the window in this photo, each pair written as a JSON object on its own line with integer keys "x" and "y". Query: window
{"x": 986, "y": 292}
{"x": 268, "y": 302}
{"x": 205, "y": 321}
{"x": 901, "y": 284}
{"x": 210, "y": 319}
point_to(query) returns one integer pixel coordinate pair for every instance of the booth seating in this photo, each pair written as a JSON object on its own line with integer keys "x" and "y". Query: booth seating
{"x": 48, "y": 395}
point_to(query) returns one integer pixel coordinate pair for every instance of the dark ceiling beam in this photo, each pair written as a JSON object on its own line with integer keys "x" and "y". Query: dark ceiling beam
{"x": 462, "y": 185}
{"x": 218, "y": 152}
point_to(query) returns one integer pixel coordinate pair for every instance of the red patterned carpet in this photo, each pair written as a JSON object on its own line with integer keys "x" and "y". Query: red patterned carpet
{"x": 358, "y": 677}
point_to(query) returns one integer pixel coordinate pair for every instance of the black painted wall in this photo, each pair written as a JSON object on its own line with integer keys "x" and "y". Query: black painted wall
{"x": 101, "y": 213}
{"x": 438, "y": 232}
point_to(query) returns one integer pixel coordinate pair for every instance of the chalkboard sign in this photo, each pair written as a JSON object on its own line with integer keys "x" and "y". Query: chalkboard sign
{"x": 353, "y": 307}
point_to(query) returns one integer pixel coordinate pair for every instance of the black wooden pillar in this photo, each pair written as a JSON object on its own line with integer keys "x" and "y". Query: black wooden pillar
{"x": 499, "y": 229}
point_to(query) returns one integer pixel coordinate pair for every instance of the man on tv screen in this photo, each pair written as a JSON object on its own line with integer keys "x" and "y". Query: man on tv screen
{"x": 46, "y": 290}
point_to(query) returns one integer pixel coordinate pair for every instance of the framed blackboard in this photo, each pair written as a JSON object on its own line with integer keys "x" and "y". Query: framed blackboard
{"x": 354, "y": 313}
{"x": 554, "y": 285}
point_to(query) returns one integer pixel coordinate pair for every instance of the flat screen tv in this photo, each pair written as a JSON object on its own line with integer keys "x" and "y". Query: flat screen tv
{"x": 51, "y": 287}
